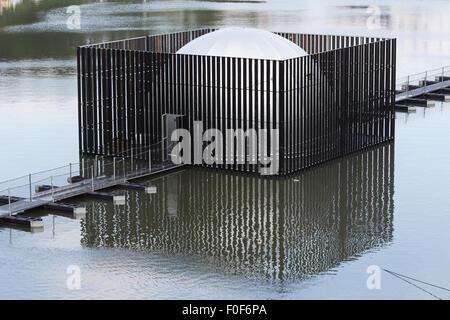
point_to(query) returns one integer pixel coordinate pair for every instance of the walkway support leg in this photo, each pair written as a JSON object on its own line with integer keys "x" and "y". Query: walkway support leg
{"x": 31, "y": 194}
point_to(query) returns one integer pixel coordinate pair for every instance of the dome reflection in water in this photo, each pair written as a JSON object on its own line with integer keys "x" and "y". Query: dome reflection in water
{"x": 268, "y": 228}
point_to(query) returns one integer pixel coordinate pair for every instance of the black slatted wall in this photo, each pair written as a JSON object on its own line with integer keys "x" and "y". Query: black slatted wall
{"x": 338, "y": 100}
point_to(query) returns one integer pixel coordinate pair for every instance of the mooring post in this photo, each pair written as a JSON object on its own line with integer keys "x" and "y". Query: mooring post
{"x": 426, "y": 76}
{"x": 70, "y": 172}
{"x": 92, "y": 179}
{"x": 132, "y": 158}
{"x": 407, "y": 86}
{"x": 96, "y": 164}
{"x": 150, "y": 160}
{"x": 443, "y": 73}
{"x": 51, "y": 186}
{"x": 114, "y": 168}
{"x": 9, "y": 201}
{"x": 31, "y": 194}
{"x": 123, "y": 166}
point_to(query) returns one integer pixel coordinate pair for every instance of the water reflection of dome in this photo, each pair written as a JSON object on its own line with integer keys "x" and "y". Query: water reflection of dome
{"x": 243, "y": 43}
{"x": 278, "y": 230}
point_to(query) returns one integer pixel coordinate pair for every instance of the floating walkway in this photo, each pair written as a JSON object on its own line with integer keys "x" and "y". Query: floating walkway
{"x": 422, "y": 90}
{"x": 51, "y": 197}
{"x": 414, "y": 91}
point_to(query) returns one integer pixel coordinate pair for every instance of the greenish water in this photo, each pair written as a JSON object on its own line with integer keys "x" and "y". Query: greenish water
{"x": 213, "y": 234}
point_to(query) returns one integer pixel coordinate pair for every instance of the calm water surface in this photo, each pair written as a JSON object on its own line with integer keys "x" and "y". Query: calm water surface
{"x": 218, "y": 235}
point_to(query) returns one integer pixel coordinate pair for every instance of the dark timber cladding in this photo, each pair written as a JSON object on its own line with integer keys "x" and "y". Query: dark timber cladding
{"x": 338, "y": 100}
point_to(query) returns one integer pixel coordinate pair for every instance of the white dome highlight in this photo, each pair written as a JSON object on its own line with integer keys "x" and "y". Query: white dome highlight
{"x": 243, "y": 43}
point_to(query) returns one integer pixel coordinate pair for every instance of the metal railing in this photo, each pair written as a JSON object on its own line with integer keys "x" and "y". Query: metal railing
{"x": 92, "y": 173}
{"x": 410, "y": 82}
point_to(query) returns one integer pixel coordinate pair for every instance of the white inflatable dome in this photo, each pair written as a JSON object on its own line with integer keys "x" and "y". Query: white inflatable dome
{"x": 243, "y": 43}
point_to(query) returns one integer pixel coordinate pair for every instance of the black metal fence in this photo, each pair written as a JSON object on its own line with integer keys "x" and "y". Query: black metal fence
{"x": 337, "y": 100}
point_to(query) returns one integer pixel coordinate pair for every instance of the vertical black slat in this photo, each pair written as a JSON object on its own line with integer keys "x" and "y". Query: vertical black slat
{"x": 151, "y": 108}
{"x": 329, "y": 102}
{"x": 114, "y": 101}
{"x": 289, "y": 117}
{"x": 89, "y": 102}
{"x": 301, "y": 108}
{"x": 214, "y": 87}
{"x": 313, "y": 118}
{"x": 357, "y": 95}
{"x": 203, "y": 90}
{"x": 352, "y": 98}
{"x": 93, "y": 75}
{"x": 365, "y": 84}
{"x": 262, "y": 103}
{"x": 323, "y": 94}
{"x": 250, "y": 113}
{"x": 122, "y": 102}
{"x": 294, "y": 120}
{"x": 393, "y": 86}
{"x": 183, "y": 90}
{"x": 225, "y": 75}
{"x": 331, "y": 98}
{"x": 270, "y": 72}
{"x": 372, "y": 92}
{"x": 140, "y": 116}
{"x": 194, "y": 77}
{"x": 189, "y": 94}
{"x": 387, "y": 92}
{"x": 117, "y": 101}
{"x": 234, "y": 110}
{"x": 256, "y": 114}
{"x": 377, "y": 91}
{"x": 101, "y": 66}
{"x": 196, "y": 70}
{"x": 108, "y": 102}
{"x": 360, "y": 78}
{"x": 319, "y": 98}
{"x": 101, "y": 101}
{"x": 148, "y": 99}
{"x": 307, "y": 109}
{"x": 227, "y": 123}
{"x": 282, "y": 118}
{"x": 208, "y": 87}
{"x": 244, "y": 107}
{"x": 172, "y": 97}
{"x": 274, "y": 87}
{"x": 130, "y": 106}
{"x": 381, "y": 95}
{"x": 80, "y": 105}
{"x": 340, "y": 99}
{"x": 314, "y": 112}
{"x": 342, "y": 87}
{"x": 239, "y": 111}
{"x": 161, "y": 100}
{"x": 166, "y": 87}
{"x": 138, "y": 101}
